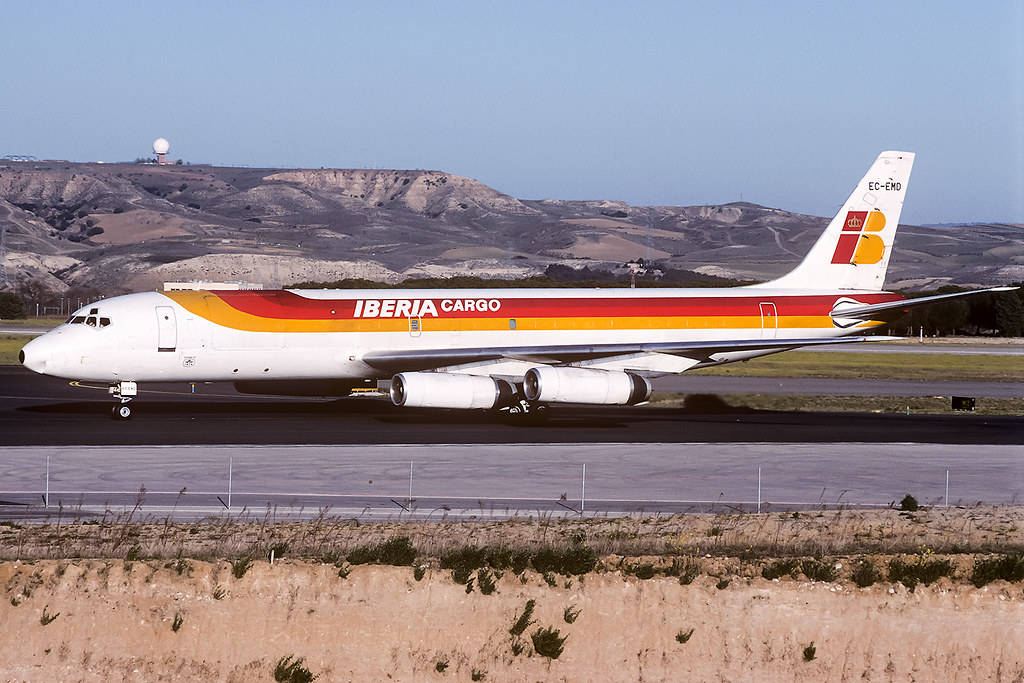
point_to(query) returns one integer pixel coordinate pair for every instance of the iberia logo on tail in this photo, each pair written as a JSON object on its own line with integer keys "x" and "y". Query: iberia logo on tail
{"x": 856, "y": 245}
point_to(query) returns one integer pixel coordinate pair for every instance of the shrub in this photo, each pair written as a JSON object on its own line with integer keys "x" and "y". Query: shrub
{"x": 722, "y": 584}
{"x": 418, "y": 572}
{"x": 779, "y": 568}
{"x": 441, "y": 665}
{"x": 477, "y": 675}
{"x": 687, "y": 569}
{"x": 1007, "y": 568}
{"x": 240, "y": 566}
{"x": 909, "y": 504}
{"x": 570, "y": 615}
{"x": 464, "y": 561}
{"x": 818, "y": 570}
{"x": 134, "y": 553}
{"x": 344, "y": 570}
{"x": 279, "y": 550}
{"x": 485, "y": 582}
{"x": 865, "y": 574}
{"x": 398, "y": 551}
{"x": 923, "y": 571}
{"x": 549, "y": 579}
{"x": 809, "y": 652}
{"x": 517, "y": 647}
{"x": 524, "y": 620}
{"x": 288, "y": 671}
{"x": 178, "y": 621}
{"x": 219, "y": 593}
{"x": 548, "y": 642}
{"x": 684, "y": 636}
{"x": 575, "y": 560}
{"x": 715, "y": 531}
{"x": 644, "y": 571}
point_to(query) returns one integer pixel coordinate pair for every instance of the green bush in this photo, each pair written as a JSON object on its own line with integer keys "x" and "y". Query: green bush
{"x": 1008, "y": 568}
{"x": 779, "y": 568}
{"x": 922, "y": 571}
{"x": 574, "y": 560}
{"x": 288, "y": 671}
{"x": 485, "y": 581}
{"x": 397, "y": 551}
{"x": 644, "y": 571}
{"x": 684, "y": 636}
{"x": 818, "y": 570}
{"x": 687, "y": 569}
{"x": 464, "y": 561}
{"x": 865, "y": 574}
{"x": 240, "y": 566}
{"x": 909, "y": 504}
{"x": 524, "y": 620}
{"x": 809, "y": 652}
{"x": 548, "y": 642}
{"x": 570, "y": 615}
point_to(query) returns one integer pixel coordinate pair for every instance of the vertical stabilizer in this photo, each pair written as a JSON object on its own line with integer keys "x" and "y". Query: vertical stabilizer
{"x": 854, "y": 251}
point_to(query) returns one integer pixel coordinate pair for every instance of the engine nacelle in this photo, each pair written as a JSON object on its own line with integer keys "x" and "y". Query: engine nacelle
{"x": 585, "y": 385}
{"x": 449, "y": 390}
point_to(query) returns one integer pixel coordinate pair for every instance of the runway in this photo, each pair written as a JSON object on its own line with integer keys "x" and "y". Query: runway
{"x": 42, "y": 411}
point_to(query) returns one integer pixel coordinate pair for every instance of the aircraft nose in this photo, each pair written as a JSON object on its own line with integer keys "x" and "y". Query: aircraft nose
{"x": 34, "y": 356}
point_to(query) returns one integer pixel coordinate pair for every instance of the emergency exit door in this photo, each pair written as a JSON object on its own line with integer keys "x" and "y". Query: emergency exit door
{"x": 769, "y": 321}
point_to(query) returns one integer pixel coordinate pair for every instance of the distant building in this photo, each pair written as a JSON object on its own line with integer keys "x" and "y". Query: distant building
{"x": 204, "y": 284}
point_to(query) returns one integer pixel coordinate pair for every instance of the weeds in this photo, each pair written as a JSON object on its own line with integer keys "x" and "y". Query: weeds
{"x": 240, "y": 566}
{"x": 865, "y": 574}
{"x": 570, "y": 615}
{"x": 550, "y": 579}
{"x": 289, "y": 671}
{"x": 344, "y": 570}
{"x": 779, "y": 568}
{"x": 644, "y": 571}
{"x": 1008, "y": 568}
{"x": 485, "y": 582}
{"x": 178, "y": 621}
{"x": 524, "y": 620}
{"x": 818, "y": 570}
{"x": 134, "y": 553}
{"x": 47, "y": 618}
{"x": 687, "y": 569}
{"x": 477, "y": 675}
{"x": 517, "y": 647}
{"x": 15, "y": 600}
{"x": 548, "y": 642}
{"x": 722, "y": 584}
{"x": 575, "y": 560}
{"x": 922, "y": 571}
{"x": 397, "y": 551}
{"x": 809, "y": 652}
{"x": 418, "y": 572}
{"x": 219, "y": 593}
{"x": 441, "y": 665}
{"x": 684, "y": 636}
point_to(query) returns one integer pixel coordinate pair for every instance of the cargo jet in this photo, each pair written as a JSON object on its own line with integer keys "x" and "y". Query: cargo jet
{"x": 512, "y": 350}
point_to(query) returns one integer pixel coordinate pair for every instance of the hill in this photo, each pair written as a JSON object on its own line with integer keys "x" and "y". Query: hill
{"x": 119, "y": 227}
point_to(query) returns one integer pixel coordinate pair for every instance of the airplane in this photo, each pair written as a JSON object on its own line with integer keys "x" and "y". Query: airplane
{"x": 512, "y": 350}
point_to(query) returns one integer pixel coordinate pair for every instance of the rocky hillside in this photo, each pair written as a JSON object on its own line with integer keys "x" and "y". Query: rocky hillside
{"x": 121, "y": 227}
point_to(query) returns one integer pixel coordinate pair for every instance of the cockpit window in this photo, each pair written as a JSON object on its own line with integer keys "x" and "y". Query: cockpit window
{"x": 104, "y": 322}
{"x": 77, "y": 320}
{"x": 91, "y": 321}
{"x": 94, "y": 311}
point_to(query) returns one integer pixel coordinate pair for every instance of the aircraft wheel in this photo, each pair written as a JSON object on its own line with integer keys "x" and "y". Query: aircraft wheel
{"x": 121, "y": 412}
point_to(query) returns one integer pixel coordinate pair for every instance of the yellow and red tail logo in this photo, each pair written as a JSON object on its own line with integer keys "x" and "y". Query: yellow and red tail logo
{"x": 856, "y": 246}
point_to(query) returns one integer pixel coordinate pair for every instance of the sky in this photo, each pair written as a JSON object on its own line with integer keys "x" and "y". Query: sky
{"x": 784, "y": 104}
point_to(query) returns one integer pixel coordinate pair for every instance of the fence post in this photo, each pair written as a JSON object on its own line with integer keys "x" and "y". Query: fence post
{"x": 583, "y": 491}
{"x": 46, "y": 498}
{"x": 947, "y": 487}
{"x": 230, "y": 468}
{"x": 409, "y": 500}
{"x": 758, "y": 490}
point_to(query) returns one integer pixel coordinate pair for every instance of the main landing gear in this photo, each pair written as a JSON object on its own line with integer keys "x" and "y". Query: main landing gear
{"x": 523, "y": 411}
{"x": 122, "y": 392}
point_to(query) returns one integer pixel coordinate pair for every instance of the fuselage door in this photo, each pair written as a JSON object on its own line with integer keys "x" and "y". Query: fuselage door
{"x": 167, "y": 329}
{"x": 769, "y": 320}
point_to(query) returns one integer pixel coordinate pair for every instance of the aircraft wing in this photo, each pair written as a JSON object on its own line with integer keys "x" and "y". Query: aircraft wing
{"x": 886, "y": 310}
{"x": 701, "y": 351}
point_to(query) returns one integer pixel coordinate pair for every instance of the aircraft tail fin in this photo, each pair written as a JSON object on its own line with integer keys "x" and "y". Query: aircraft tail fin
{"x": 854, "y": 251}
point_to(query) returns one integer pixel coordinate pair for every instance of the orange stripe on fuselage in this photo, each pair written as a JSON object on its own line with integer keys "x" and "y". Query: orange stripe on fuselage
{"x": 211, "y": 307}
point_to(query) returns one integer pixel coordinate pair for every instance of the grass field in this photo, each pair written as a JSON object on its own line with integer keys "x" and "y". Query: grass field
{"x": 853, "y": 365}
{"x": 47, "y": 322}
{"x": 929, "y": 405}
{"x": 10, "y": 344}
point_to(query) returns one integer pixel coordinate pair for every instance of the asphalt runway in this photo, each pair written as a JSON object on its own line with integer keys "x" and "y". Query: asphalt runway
{"x": 43, "y": 411}
{"x": 475, "y": 481}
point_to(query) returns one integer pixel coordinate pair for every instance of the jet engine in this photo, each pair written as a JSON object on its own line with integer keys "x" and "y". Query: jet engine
{"x": 585, "y": 385}
{"x": 450, "y": 390}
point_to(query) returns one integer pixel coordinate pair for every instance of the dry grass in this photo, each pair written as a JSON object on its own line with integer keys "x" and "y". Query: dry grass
{"x": 830, "y": 532}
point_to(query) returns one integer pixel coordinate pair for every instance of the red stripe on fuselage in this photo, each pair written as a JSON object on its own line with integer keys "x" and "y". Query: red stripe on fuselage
{"x": 280, "y": 304}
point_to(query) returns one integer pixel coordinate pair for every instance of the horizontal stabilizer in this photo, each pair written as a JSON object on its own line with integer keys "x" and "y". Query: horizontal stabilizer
{"x": 878, "y": 311}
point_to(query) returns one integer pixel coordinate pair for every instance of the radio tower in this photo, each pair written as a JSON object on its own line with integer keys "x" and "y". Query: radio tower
{"x": 5, "y": 281}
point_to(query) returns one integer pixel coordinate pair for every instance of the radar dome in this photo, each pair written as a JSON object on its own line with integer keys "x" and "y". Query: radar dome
{"x": 160, "y": 146}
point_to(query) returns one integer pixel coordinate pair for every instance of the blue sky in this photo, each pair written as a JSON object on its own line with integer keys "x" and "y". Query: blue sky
{"x": 783, "y": 103}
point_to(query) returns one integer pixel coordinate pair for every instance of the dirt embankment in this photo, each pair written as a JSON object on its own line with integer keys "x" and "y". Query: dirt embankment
{"x": 115, "y": 619}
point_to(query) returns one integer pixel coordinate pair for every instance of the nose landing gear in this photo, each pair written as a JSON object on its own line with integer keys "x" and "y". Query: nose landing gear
{"x": 122, "y": 392}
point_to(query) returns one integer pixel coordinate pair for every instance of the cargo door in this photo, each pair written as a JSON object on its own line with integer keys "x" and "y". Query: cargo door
{"x": 769, "y": 320}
